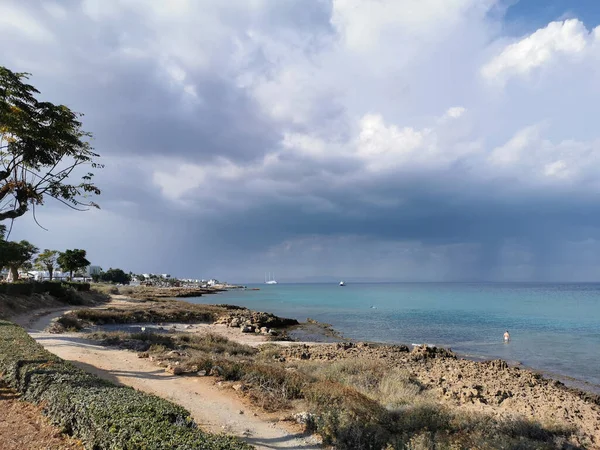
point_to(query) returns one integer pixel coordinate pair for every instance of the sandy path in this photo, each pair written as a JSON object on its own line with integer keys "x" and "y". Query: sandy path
{"x": 214, "y": 408}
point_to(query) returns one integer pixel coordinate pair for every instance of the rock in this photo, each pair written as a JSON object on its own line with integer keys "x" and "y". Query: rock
{"x": 201, "y": 373}
{"x": 174, "y": 353}
{"x": 143, "y": 355}
{"x": 344, "y": 345}
{"x": 425, "y": 352}
{"x": 237, "y": 387}
{"x": 187, "y": 327}
{"x": 273, "y": 333}
{"x": 264, "y": 330}
{"x": 174, "y": 370}
{"x": 303, "y": 417}
{"x": 235, "y": 322}
{"x": 248, "y": 329}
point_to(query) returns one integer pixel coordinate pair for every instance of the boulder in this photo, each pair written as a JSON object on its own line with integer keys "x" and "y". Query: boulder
{"x": 174, "y": 370}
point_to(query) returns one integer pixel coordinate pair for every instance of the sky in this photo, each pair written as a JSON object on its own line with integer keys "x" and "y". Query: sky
{"x": 409, "y": 140}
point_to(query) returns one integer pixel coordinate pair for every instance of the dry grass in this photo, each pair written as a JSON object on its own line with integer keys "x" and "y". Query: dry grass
{"x": 167, "y": 311}
{"x": 14, "y": 305}
{"x": 391, "y": 387}
{"x": 353, "y": 404}
{"x": 23, "y": 426}
{"x": 107, "y": 289}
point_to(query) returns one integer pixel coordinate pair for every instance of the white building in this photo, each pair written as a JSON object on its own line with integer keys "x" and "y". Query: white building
{"x": 92, "y": 270}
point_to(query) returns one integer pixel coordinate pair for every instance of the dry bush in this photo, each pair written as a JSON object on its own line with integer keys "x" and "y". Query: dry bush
{"x": 70, "y": 323}
{"x": 152, "y": 312}
{"x": 107, "y": 289}
{"x": 347, "y": 418}
{"x": 272, "y": 388}
{"x": 213, "y": 343}
{"x": 392, "y": 387}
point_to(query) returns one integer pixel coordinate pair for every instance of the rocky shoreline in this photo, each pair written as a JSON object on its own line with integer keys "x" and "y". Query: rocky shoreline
{"x": 493, "y": 388}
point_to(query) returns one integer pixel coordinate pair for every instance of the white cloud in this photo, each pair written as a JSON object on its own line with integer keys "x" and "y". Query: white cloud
{"x": 530, "y": 160}
{"x": 16, "y": 20}
{"x": 455, "y": 112}
{"x": 363, "y": 109}
{"x": 364, "y": 26}
{"x": 569, "y": 38}
{"x": 512, "y": 151}
{"x": 55, "y": 10}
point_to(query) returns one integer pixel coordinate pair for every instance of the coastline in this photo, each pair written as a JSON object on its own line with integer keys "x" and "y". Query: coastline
{"x": 314, "y": 331}
{"x": 472, "y": 385}
{"x": 546, "y": 337}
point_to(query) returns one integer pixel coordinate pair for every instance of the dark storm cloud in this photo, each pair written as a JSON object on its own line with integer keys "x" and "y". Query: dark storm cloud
{"x": 253, "y": 113}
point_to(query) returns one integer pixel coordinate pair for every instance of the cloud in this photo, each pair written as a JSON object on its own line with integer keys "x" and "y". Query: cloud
{"x": 568, "y": 39}
{"x": 330, "y": 137}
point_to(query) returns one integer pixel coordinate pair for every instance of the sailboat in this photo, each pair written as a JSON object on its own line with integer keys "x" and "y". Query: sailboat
{"x": 270, "y": 280}
{"x": 342, "y": 283}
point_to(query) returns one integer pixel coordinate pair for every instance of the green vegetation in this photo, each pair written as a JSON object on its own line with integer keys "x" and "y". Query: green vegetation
{"x": 117, "y": 276}
{"x": 72, "y": 260}
{"x": 16, "y": 255}
{"x": 47, "y": 261}
{"x": 99, "y": 413}
{"x": 41, "y": 145}
{"x": 58, "y": 289}
{"x": 354, "y": 404}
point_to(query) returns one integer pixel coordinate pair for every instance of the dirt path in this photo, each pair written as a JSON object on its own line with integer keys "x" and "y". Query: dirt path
{"x": 215, "y": 409}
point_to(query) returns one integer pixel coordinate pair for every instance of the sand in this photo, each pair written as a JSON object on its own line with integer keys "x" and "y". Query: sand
{"x": 216, "y": 408}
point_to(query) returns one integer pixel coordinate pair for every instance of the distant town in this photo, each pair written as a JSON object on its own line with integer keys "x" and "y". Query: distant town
{"x": 93, "y": 273}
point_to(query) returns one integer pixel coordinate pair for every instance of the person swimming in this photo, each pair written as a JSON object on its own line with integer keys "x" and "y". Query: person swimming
{"x": 506, "y": 336}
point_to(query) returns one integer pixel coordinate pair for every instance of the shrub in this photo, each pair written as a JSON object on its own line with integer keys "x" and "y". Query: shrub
{"x": 69, "y": 323}
{"x": 99, "y": 413}
{"x": 271, "y": 387}
{"x": 107, "y": 289}
{"x": 173, "y": 311}
{"x": 57, "y": 289}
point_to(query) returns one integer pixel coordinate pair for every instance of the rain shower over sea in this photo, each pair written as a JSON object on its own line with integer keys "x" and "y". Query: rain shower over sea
{"x": 554, "y": 328}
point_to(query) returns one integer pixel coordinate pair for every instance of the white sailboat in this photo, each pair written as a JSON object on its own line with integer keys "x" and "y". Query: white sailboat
{"x": 271, "y": 280}
{"x": 342, "y": 283}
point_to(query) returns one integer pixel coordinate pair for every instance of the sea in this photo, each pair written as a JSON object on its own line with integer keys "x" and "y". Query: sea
{"x": 554, "y": 328}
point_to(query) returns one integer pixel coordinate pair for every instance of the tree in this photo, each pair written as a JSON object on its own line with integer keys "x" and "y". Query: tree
{"x": 41, "y": 144}
{"x": 72, "y": 260}
{"x": 46, "y": 261}
{"x": 15, "y": 255}
{"x": 115, "y": 276}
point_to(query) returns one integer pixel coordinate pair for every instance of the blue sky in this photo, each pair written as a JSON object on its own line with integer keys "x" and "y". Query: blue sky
{"x": 532, "y": 14}
{"x": 425, "y": 140}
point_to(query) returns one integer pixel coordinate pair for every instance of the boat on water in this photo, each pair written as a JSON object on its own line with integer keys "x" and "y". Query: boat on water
{"x": 270, "y": 280}
{"x": 342, "y": 283}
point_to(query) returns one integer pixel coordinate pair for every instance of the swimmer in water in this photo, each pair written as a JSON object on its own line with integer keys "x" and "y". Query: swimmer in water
{"x": 506, "y": 336}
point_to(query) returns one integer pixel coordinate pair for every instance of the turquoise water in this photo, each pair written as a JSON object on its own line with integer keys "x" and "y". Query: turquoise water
{"x": 554, "y": 327}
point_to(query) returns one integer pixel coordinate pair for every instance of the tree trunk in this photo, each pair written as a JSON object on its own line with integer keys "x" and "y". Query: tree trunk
{"x": 14, "y": 270}
{"x": 50, "y": 272}
{"x": 71, "y": 275}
